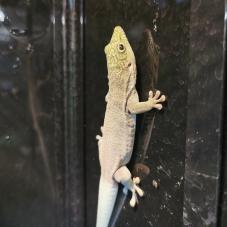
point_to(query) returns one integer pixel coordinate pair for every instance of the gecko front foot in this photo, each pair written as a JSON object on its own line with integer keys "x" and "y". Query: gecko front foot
{"x": 155, "y": 100}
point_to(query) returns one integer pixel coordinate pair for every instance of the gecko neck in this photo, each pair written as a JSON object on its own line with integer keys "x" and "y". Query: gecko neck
{"x": 120, "y": 86}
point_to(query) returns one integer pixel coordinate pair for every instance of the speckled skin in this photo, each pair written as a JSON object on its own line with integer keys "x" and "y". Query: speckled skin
{"x": 118, "y": 131}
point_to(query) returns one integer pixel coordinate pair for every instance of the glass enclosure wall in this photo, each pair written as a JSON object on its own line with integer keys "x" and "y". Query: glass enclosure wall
{"x": 27, "y": 103}
{"x": 53, "y": 82}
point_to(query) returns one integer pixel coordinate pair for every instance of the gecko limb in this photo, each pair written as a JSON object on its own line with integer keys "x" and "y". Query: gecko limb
{"x": 123, "y": 176}
{"x": 154, "y": 101}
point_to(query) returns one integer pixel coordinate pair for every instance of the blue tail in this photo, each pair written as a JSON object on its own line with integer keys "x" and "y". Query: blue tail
{"x": 106, "y": 200}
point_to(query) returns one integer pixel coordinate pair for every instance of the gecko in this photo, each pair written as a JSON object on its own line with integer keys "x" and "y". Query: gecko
{"x": 115, "y": 144}
{"x": 147, "y": 73}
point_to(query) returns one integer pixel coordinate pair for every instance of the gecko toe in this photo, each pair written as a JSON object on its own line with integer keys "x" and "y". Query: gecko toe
{"x": 139, "y": 191}
{"x": 136, "y": 180}
{"x": 133, "y": 200}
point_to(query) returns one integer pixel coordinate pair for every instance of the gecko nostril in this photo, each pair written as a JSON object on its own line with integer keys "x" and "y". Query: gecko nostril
{"x": 129, "y": 64}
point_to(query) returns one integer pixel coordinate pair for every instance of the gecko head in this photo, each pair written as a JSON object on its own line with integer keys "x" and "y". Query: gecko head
{"x": 118, "y": 52}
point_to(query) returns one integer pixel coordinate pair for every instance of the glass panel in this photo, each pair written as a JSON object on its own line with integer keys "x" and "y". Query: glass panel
{"x": 27, "y": 119}
{"x": 53, "y": 82}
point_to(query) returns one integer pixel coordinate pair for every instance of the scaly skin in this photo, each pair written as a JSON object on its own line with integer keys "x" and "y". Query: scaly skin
{"x": 118, "y": 131}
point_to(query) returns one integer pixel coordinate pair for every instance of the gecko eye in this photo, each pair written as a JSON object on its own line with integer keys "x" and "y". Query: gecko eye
{"x": 121, "y": 48}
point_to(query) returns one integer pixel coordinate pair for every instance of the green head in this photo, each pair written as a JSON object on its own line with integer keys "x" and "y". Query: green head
{"x": 119, "y": 54}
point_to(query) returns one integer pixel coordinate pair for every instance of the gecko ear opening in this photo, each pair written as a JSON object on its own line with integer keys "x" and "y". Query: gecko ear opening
{"x": 129, "y": 64}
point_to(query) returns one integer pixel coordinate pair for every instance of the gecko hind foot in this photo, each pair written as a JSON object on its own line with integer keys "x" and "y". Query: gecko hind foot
{"x": 98, "y": 137}
{"x": 135, "y": 190}
{"x": 123, "y": 176}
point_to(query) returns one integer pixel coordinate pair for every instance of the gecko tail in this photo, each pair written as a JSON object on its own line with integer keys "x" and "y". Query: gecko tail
{"x": 106, "y": 200}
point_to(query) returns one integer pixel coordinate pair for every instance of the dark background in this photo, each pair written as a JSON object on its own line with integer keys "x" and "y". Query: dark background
{"x": 53, "y": 80}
